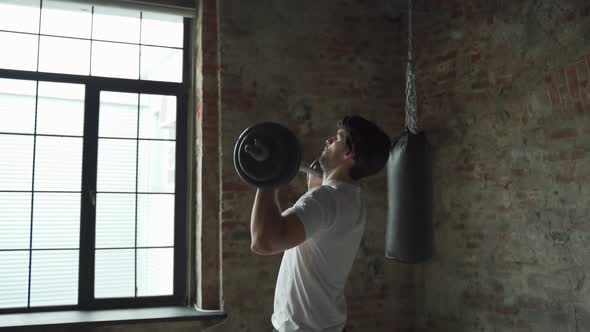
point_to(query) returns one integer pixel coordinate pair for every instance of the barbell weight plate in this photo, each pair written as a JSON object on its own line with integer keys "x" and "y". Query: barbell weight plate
{"x": 283, "y": 161}
{"x": 262, "y": 171}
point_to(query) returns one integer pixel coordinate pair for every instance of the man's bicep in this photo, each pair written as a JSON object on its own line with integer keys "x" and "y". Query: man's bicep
{"x": 292, "y": 231}
{"x": 312, "y": 213}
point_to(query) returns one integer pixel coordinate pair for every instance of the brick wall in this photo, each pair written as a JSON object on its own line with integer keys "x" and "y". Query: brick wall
{"x": 504, "y": 95}
{"x": 305, "y": 64}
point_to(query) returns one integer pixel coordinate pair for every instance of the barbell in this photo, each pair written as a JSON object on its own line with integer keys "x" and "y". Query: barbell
{"x": 267, "y": 155}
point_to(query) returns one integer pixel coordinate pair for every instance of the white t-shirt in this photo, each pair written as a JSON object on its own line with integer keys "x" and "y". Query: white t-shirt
{"x": 309, "y": 294}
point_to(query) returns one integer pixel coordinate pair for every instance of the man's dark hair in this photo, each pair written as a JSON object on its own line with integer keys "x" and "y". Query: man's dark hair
{"x": 370, "y": 146}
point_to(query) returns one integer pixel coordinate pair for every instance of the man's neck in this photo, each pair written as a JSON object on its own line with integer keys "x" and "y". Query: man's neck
{"x": 338, "y": 174}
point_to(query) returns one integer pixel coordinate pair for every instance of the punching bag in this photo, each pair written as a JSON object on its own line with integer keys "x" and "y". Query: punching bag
{"x": 409, "y": 235}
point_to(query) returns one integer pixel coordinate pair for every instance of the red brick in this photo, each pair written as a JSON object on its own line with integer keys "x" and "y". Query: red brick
{"x": 574, "y": 154}
{"x": 564, "y": 133}
{"x": 475, "y": 57}
{"x": 517, "y": 172}
{"x": 504, "y": 209}
{"x": 572, "y": 79}
{"x": 582, "y": 73}
{"x": 578, "y": 154}
{"x": 584, "y": 82}
{"x": 553, "y": 93}
{"x": 480, "y": 85}
{"x": 568, "y": 167}
{"x": 530, "y": 303}
{"x": 449, "y": 56}
{"x": 210, "y": 68}
{"x": 525, "y": 325}
{"x": 456, "y": 14}
{"x": 565, "y": 179}
{"x": 474, "y": 236}
{"x": 458, "y": 227}
{"x": 235, "y": 186}
{"x": 568, "y": 17}
{"x": 548, "y": 79}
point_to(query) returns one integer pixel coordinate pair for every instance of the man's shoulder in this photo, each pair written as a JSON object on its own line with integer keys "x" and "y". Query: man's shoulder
{"x": 320, "y": 193}
{"x": 322, "y": 189}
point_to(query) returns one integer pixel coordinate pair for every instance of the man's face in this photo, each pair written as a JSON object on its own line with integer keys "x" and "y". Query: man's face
{"x": 334, "y": 151}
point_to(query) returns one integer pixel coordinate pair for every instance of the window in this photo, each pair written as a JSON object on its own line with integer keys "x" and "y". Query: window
{"x": 93, "y": 146}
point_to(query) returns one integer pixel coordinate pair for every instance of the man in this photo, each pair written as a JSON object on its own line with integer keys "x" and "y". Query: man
{"x": 321, "y": 233}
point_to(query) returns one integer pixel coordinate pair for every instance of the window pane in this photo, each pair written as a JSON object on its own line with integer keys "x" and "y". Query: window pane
{"x": 115, "y": 60}
{"x": 62, "y": 18}
{"x": 16, "y": 164}
{"x": 116, "y": 165}
{"x": 15, "y": 220}
{"x": 58, "y": 163}
{"x": 19, "y": 51}
{"x": 155, "y": 220}
{"x": 114, "y": 273}
{"x": 17, "y": 106}
{"x": 14, "y": 278}
{"x": 157, "y": 117}
{"x": 56, "y": 221}
{"x": 60, "y": 109}
{"x": 161, "y": 64}
{"x": 116, "y": 24}
{"x": 118, "y": 114}
{"x": 156, "y": 166}
{"x": 155, "y": 272}
{"x": 19, "y": 15}
{"x": 115, "y": 220}
{"x": 64, "y": 55}
{"x": 162, "y": 29}
{"x": 54, "y": 278}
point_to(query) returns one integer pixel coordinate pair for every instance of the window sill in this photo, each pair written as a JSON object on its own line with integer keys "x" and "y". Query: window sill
{"x": 106, "y": 317}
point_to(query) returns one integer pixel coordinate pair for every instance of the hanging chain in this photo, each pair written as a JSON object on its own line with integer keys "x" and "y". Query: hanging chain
{"x": 411, "y": 112}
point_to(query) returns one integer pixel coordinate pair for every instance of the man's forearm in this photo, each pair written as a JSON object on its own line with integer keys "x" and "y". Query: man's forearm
{"x": 265, "y": 219}
{"x": 281, "y": 200}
